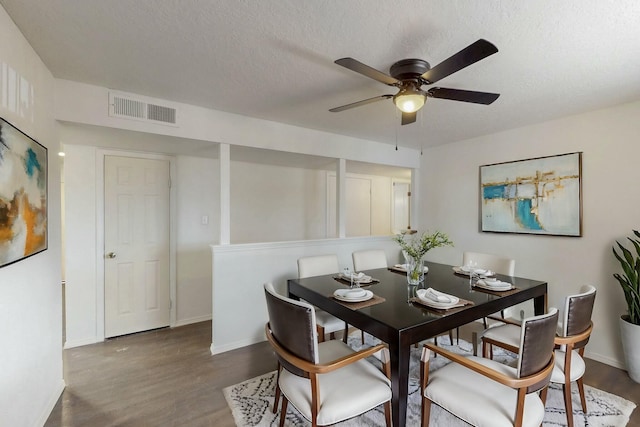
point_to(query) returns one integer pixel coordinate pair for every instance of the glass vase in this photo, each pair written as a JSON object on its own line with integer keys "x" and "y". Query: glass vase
{"x": 415, "y": 270}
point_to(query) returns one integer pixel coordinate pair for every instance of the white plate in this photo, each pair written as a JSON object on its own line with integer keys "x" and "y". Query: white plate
{"x": 343, "y": 295}
{"x": 496, "y": 286}
{"x": 479, "y": 271}
{"x": 431, "y": 303}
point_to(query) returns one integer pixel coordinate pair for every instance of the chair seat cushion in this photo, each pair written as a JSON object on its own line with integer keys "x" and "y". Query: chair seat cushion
{"x": 344, "y": 393}
{"x": 507, "y": 333}
{"x": 479, "y": 400}
{"x": 329, "y": 322}
{"x": 577, "y": 367}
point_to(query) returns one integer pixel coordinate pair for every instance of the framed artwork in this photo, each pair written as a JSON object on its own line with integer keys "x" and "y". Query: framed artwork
{"x": 23, "y": 195}
{"x": 533, "y": 196}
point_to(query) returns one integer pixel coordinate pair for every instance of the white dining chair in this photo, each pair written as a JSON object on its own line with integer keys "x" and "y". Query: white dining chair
{"x": 325, "y": 382}
{"x": 573, "y": 332}
{"x": 496, "y": 263}
{"x": 487, "y": 393}
{"x": 319, "y": 266}
{"x": 369, "y": 259}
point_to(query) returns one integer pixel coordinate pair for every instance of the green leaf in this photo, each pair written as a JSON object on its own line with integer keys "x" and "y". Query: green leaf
{"x": 630, "y": 279}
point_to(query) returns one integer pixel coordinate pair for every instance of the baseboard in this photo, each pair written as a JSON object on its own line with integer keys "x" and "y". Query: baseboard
{"x": 234, "y": 345}
{"x": 192, "y": 320}
{"x": 79, "y": 343}
{"x": 604, "y": 359}
{"x": 51, "y": 403}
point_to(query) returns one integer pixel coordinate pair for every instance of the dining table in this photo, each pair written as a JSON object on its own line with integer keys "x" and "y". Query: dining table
{"x": 395, "y": 317}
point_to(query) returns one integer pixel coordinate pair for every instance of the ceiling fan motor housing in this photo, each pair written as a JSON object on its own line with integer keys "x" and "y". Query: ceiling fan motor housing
{"x": 409, "y": 69}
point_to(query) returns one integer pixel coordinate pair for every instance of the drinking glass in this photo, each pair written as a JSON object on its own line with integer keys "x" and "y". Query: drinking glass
{"x": 471, "y": 267}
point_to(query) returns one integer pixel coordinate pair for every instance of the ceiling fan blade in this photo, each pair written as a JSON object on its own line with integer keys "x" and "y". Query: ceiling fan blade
{"x": 485, "y": 98}
{"x": 359, "y": 103}
{"x": 467, "y": 56}
{"x": 365, "y": 70}
{"x": 408, "y": 118}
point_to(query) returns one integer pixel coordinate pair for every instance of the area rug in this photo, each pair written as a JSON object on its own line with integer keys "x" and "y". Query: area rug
{"x": 251, "y": 401}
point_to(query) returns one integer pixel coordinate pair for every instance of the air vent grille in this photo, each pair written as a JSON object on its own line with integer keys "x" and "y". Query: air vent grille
{"x": 126, "y": 107}
{"x": 161, "y": 114}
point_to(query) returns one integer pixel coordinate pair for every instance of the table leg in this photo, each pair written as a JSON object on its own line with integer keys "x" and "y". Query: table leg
{"x": 540, "y": 304}
{"x": 399, "y": 381}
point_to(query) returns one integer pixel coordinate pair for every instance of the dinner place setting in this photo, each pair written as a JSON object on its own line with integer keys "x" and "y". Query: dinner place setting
{"x": 354, "y": 278}
{"x": 434, "y": 299}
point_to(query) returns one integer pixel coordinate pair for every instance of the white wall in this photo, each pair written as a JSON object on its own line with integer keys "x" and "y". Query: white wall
{"x": 30, "y": 290}
{"x": 609, "y": 140}
{"x": 80, "y": 244}
{"x": 275, "y": 203}
{"x": 239, "y": 271}
{"x": 87, "y": 104}
{"x": 198, "y": 193}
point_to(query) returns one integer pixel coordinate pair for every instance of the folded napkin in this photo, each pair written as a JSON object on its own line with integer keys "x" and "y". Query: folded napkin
{"x": 494, "y": 284}
{"x": 437, "y": 296}
{"x": 354, "y": 276}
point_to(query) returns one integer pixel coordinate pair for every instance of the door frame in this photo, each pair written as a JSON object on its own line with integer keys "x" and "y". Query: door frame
{"x": 100, "y": 249}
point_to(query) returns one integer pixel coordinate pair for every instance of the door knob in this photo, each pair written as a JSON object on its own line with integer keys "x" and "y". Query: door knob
{"x": 111, "y": 255}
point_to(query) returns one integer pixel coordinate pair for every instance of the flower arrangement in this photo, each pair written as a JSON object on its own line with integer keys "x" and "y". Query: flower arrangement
{"x": 417, "y": 247}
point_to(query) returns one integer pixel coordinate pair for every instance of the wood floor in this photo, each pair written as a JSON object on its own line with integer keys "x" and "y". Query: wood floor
{"x": 168, "y": 377}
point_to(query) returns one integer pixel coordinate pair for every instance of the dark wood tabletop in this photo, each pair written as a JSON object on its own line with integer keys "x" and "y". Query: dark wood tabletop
{"x": 401, "y": 323}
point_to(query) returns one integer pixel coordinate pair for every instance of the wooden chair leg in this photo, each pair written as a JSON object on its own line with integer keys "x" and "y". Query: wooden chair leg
{"x": 582, "y": 398}
{"x": 543, "y": 395}
{"x": 283, "y": 411}
{"x": 485, "y": 349}
{"x": 451, "y": 336}
{"x": 332, "y": 336}
{"x": 362, "y": 336}
{"x": 566, "y": 391}
{"x": 345, "y": 334}
{"x": 426, "y": 411}
{"x": 277, "y": 396}
{"x": 387, "y": 413}
{"x": 320, "y": 330}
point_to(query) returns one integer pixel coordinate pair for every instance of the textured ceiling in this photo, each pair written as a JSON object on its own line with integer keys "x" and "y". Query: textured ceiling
{"x": 274, "y": 59}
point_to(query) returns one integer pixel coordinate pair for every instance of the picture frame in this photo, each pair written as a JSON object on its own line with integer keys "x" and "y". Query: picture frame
{"x": 541, "y": 196}
{"x": 23, "y": 195}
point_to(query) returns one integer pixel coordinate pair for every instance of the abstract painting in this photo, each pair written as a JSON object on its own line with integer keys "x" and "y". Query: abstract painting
{"x": 533, "y": 196}
{"x": 23, "y": 195}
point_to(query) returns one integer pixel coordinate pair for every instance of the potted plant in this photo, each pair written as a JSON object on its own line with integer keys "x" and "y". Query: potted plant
{"x": 414, "y": 249}
{"x": 630, "y": 322}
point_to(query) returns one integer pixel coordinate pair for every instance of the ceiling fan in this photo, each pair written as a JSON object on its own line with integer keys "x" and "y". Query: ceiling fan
{"x": 409, "y": 75}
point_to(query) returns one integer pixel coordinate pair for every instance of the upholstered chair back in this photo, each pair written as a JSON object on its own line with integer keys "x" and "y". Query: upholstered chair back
{"x": 577, "y": 313}
{"x": 293, "y": 325}
{"x": 536, "y": 346}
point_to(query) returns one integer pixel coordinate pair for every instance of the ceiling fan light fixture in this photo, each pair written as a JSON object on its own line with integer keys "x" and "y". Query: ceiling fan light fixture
{"x": 409, "y": 99}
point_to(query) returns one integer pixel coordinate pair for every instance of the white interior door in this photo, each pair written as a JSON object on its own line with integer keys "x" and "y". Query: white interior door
{"x": 136, "y": 268}
{"x": 401, "y": 206}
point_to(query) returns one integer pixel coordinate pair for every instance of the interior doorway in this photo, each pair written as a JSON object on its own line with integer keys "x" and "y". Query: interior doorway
{"x": 136, "y": 244}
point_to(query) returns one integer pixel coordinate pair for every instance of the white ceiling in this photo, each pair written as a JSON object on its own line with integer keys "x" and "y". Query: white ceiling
{"x": 274, "y": 59}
